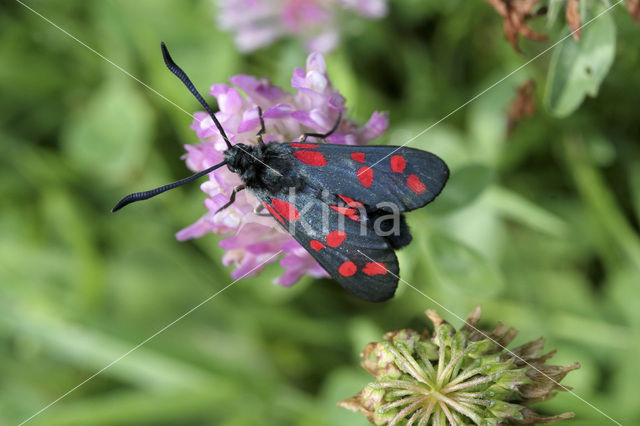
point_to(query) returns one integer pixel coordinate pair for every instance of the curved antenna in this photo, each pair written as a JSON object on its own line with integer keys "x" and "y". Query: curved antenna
{"x": 183, "y": 77}
{"x": 139, "y": 196}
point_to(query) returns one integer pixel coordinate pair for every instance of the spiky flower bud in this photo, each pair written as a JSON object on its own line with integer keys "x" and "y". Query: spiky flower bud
{"x": 463, "y": 377}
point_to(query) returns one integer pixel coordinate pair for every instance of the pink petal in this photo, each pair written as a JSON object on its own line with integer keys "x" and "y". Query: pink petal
{"x": 197, "y": 230}
{"x": 250, "y": 121}
{"x": 372, "y": 9}
{"x": 278, "y": 111}
{"x": 304, "y": 118}
{"x": 260, "y": 91}
{"x": 325, "y": 42}
{"x": 376, "y": 126}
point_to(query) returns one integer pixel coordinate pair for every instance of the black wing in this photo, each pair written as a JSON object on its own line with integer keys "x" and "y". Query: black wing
{"x": 341, "y": 238}
{"x": 406, "y": 177}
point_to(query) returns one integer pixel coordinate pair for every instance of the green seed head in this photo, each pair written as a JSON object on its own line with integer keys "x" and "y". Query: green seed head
{"x": 463, "y": 377}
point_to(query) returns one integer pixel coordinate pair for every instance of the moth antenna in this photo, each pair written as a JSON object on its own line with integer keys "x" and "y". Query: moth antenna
{"x": 187, "y": 82}
{"x": 139, "y": 196}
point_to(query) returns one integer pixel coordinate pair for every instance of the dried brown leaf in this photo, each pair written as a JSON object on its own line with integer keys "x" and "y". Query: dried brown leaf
{"x": 514, "y": 14}
{"x": 522, "y": 106}
{"x": 530, "y": 417}
{"x": 472, "y": 320}
{"x": 573, "y": 18}
{"x": 633, "y": 6}
{"x": 356, "y": 404}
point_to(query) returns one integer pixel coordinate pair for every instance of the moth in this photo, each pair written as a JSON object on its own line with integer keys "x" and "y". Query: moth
{"x": 344, "y": 204}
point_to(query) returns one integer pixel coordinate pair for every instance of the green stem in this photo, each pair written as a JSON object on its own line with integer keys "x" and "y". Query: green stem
{"x": 601, "y": 200}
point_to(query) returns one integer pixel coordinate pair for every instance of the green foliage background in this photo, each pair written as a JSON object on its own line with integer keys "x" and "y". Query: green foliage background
{"x": 541, "y": 228}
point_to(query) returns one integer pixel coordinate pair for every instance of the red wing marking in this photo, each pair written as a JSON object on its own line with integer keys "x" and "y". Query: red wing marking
{"x": 374, "y": 268}
{"x": 358, "y": 157}
{"x": 316, "y": 245}
{"x": 273, "y": 212}
{"x": 398, "y": 164}
{"x": 303, "y": 145}
{"x": 350, "y": 213}
{"x": 286, "y": 210}
{"x": 335, "y": 238}
{"x": 415, "y": 184}
{"x": 350, "y": 202}
{"x": 312, "y": 158}
{"x": 365, "y": 176}
{"x": 347, "y": 269}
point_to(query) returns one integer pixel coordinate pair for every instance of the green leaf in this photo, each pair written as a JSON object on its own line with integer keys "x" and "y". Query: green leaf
{"x": 90, "y": 348}
{"x": 634, "y": 184}
{"x": 622, "y": 287}
{"x": 555, "y": 6}
{"x": 464, "y": 186}
{"x": 111, "y": 135}
{"x": 601, "y": 202}
{"x": 461, "y": 267}
{"x": 513, "y": 206}
{"x": 340, "y": 384}
{"x": 578, "y": 68}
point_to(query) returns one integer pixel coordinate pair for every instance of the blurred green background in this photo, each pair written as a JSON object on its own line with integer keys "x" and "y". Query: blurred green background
{"x": 540, "y": 228}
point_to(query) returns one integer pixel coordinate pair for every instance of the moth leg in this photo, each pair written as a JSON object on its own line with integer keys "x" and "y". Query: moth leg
{"x": 322, "y": 136}
{"x": 262, "y": 129}
{"x": 258, "y": 211}
{"x": 232, "y": 198}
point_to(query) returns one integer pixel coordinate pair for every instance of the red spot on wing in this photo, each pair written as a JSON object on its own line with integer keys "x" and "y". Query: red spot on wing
{"x": 350, "y": 202}
{"x": 335, "y": 238}
{"x": 316, "y": 245}
{"x": 365, "y": 176}
{"x": 374, "y": 268}
{"x": 398, "y": 164}
{"x": 347, "y": 269}
{"x": 415, "y": 184}
{"x": 273, "y": 212}
{"x": 312, "y": 158}
{"x": 350, "y": 213}
{"x": 303, "y": 145}
{"x": 286, "y": 209}
{"x": 358, "y": 156}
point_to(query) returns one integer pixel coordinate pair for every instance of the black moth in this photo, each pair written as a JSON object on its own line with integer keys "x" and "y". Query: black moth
{"x": 342, "y": 203}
